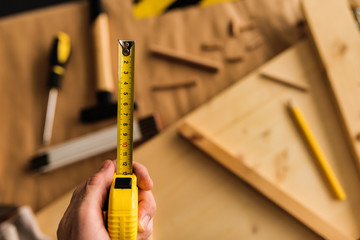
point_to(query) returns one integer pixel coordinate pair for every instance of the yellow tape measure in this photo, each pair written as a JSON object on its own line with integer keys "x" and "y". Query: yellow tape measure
{"x": 123, "y": 198}
{"x": 125, "y": 107}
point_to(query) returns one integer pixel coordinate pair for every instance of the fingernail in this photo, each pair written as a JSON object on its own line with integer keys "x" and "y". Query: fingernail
{"x": 144, "y": 222}
{"x": 105, "y": 165}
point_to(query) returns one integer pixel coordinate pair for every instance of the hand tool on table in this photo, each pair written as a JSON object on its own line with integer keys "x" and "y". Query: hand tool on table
{"x": 91, "y": 145}
{"x": 320, "y": 157}
{"x": 60, "y": 54}
{"x": 105, "y": 108}
{"x": 123, "y": 197}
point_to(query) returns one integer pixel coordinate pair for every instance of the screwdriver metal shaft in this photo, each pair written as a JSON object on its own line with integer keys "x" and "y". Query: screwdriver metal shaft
{"x": 50, "y": 115}
{"x": 60, "y": 54}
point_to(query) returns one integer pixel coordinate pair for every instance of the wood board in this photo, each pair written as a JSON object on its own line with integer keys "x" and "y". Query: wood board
{"x": 337, "y": 39}
{"x": 248, "y": 130}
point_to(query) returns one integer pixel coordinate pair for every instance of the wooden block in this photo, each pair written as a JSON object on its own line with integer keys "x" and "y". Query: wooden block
{"x": 187, "y": 58}
{"x": 287, "y": 72}
{"x": 212, "y": 46}
{"x": 247, "y": 27}
{"x": 247, "y": 129}
{"x": 255, "y": 43}
{"x": 234, "y": 51}
{"x": 337, "y": 40}
{"x": 284, "y": 81}
{"x": 234, "y": 27}
{"x": 174, "y": 85}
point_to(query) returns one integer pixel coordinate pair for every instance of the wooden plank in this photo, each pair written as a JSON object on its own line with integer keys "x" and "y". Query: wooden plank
{"x": 234, "y": 51}
{"x": 248, "y": 130}
{"x": 337, "y": 40}
{"x": 284, "y": 81}
{"x": 291, "y": 75}
{"x": 174, "y": 85}
{"x": 186, "y": 58}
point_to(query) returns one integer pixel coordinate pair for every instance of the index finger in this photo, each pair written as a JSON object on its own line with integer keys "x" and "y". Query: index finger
{"x": 144, "y": 180}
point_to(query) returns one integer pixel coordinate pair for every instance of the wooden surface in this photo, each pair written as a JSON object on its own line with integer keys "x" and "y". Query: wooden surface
{"x": 337, "y": 39}
{"x": 198, "y": 199}
{"x": 24, "y": 50}
{"x": 248, "y": 130}
{"x": 192, "y": 203}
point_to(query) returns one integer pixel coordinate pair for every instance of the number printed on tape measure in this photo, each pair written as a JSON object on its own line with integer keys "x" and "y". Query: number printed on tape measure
{"x": 125, "y": 113}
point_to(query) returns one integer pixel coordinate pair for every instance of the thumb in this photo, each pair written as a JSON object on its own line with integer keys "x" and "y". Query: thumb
{"x": 98, "y": 185}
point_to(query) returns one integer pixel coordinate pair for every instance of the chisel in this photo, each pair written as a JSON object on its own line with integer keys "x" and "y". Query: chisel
{"x": 60, "y": 54}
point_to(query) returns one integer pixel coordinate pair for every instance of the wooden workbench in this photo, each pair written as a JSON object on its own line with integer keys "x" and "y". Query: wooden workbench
{"x": 25, "y": 43}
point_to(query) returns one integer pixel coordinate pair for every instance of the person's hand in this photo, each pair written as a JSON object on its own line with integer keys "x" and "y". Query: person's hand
{"x": 84, "y": 219}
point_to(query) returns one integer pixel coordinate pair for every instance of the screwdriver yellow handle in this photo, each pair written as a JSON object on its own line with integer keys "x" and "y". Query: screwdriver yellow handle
{"x": 59, "y": 57}
{"x": 123, "y": 208}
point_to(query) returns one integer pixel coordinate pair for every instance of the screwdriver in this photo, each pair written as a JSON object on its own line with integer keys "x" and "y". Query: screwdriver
{"x": 59, "y": 56}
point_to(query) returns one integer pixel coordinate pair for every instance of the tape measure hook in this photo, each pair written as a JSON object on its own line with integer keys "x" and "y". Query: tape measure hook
{"x": 126, "y": 46}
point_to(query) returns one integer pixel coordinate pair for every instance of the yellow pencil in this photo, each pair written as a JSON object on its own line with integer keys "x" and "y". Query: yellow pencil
{"x": 319, "y": 155}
